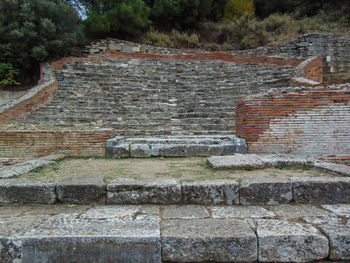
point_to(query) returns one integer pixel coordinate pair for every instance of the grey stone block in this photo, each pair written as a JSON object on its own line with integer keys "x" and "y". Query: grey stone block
{"x": 267, "y": 190}
{"x": 339, "y": 238}
{"x": 184, "y": 212}
{"x": 18, "y": 191}
{"x": 242, "y": 212}
{"x": 202, "y": 240}
{"x": 240, "y": 145}
{"x": 155, "y": 191}
{"x": 343, "y": 170}
{"x": 66, "y": 238}
{"x": 237, "y": 161}
{"x": 140, "y": 150}
{"x": 321, "y": 190}
{"x": 282, "y": 241}
{"x": 169, "y": 150}
{"x": 81, "y": 190}
{"x": 213, "y": 192}
{"x": 116, "y": 148}
{"x": 342, "y": 210}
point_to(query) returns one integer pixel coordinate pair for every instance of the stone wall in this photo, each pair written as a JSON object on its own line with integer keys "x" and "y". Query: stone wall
{"x": 142, "y": 94}
{"x": 310, "y": 121}
{"x": 334, "y": 49}
{"x": 37, "y": 143}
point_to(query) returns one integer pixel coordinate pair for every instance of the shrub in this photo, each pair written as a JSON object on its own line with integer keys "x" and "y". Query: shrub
{"x": 238, "y": 8}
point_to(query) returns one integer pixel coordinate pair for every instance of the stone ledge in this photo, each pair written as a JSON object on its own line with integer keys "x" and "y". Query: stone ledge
{"x": 191, "y": 234}
{"x": 266, "y": 191}
{"x": 172, "y": 146}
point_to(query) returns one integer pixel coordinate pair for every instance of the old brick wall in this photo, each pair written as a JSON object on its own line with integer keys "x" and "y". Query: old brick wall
{"x": 310, "y": 121}
{"x": 36, "y": 143}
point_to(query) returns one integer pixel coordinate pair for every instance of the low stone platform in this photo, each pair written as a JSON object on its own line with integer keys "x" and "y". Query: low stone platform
{"x": 175, "y": 233}
{"x": 261, "y": 190}
{"x": 171, "y": 146}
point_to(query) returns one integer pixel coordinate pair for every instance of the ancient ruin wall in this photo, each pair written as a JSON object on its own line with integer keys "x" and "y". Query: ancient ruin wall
{"x": 310, "y": 121}
{"x": 37, "y": 143}
{"x": 143, "y": 94}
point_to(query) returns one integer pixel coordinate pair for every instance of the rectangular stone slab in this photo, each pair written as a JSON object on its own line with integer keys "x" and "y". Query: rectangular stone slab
{"x": 18, "y": 191}
{"x": 266, "y": 190}
{"x": 203, "y": 240}
{"x": 339, "y": 237}
{"x": 321, "y": 190}
{"x": 67, "y": 238}
{"x": 81, "y": 190}
{"x": 155, "y": 191}
{"x": 283, "y": 241}
{"x": 213, "y": 192}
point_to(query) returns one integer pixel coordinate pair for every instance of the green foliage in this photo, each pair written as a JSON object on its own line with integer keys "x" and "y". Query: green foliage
{"x": 8, "y": 75}
{"x": 37, "y": 30}
{"x": 238, "y": 8}
{"x": 126, "y": 18}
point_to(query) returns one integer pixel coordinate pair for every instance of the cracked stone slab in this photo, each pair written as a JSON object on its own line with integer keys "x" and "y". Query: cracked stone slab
{"x": 201, "y": 240}
{"x": 339, "y": 237}
{"x": 10, "y": 231}
{"x": 241, "y": 212}
{"x": 82, "y": 190}
{"x": 210, "y": 192}
{"x": 18, "y": 191}
{"x": 185, "y": 212}
{"x": 339, "y": 209}
{"x": 265, "y": 190}
{"x": 341, "y": 169}
{"x": 283, "y": 241}
{"x": 237, "y": 161}
{"x": 292, "y": 212}
{"x": 148, "y": 191}
{"x": 321, "y": 190}
{"x": 69, "y": 238}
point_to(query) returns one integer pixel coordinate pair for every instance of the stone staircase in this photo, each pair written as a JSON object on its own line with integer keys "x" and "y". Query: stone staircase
{"x": 142, "y": 97}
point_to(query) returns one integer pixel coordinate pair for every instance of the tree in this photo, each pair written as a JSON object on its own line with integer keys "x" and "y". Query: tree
{"x": 238, "y": 8}
{"x": 37, "y": 30}
{"x": 117, "y": 18}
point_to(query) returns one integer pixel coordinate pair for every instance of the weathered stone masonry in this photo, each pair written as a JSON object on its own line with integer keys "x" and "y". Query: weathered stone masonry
{"x": 144, "y": 94}
{"x": 311, "y": 121}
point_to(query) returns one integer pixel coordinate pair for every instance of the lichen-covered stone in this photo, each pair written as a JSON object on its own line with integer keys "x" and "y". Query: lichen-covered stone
{"x": 266, "y": 190}
{"x": 282, "y": 241}
{"x": 155, "y": 191}
{"x": 203, "y": 240}
{"x": 81, "y": 190}
{"x": 339, "y": 238}
{"x": 18, "y": 191}
{"x": 184, "y": 212}
{"x": 241, "y": 212}
{"x": 140, "y": 150}
{"x": 321, "y": 190}
{"x": 298, "y": 211}
{"x": 213, "y": 192}
{"x": 339, "y": 209}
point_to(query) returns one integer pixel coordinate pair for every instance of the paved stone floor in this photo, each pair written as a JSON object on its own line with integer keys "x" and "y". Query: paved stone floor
{"x": 174, "y": 233}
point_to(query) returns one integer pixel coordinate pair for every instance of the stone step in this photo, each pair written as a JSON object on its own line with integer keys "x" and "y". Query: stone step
{"x": 174, "y": 146}
{"x": 187, "y": 233}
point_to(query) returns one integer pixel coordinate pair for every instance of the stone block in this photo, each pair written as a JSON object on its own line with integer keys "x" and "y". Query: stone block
{"x": 116, "y": 148}
{"x": 81, "y": 190}
{"x": 169, "y": 150}
{"x": 19, "y": 191}
{"x": 66, "y": 238}
{"x": 203, "y": 240}
{"x": 242, "y": 212}
{"x": 236, "y": 161}
{"x": 184, "y": 212}
{"x": 296, "y": 212}
{"x": 140, "y": 150}
{"x": 341, "y": 169}
{"x": 321, "y": 190}
{"x": 342, "y": 210}
{"x": 339, "y": 238}
{"x": 149, "y": 191}
{"x": 203, "y": 150}
{"x": 283, "y": 241}
{"x": 213, "y": 192}
{"x": 267, "y": 190}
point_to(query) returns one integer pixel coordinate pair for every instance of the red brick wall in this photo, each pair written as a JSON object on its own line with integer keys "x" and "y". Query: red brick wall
{"x": 311, "y": 121}
{"x": 37, "y": 143}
